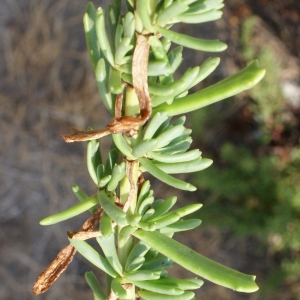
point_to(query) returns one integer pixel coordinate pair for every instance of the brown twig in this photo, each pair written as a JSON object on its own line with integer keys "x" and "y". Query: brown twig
{"x": 130, "y": 165}
{"x": 122, "y": 124}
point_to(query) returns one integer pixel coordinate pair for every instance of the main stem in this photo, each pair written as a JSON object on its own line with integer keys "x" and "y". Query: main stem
{"x": 137, "y": 103}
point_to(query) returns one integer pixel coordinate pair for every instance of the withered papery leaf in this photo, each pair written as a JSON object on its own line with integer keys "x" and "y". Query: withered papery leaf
{"x": 84, "y": 135}
{"x": 122, "y": 124}
{"x": 139, "y": 75}
{"x": 83, "y": 235}
{"x": 53, "y": 271}
{"x": 63, "y": 259}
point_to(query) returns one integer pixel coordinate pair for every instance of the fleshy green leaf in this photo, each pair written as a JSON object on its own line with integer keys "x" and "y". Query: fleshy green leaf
{"x": 102, "y": 36}
{"x": 109, "y": 249}
{"x": 185, "y": 167}
{"x": 147, "y": 295}
{"x": 197, "y": 263}
{"x": 241, "y": 81}
{"x": 94, "y": 285}
{"x": 93, "y": 256}
{"x": 89, "y": 20}
{"x": 93, "y": 158}
{"x": 164, "y": 177}
{"x": 114, "y": 212}
{"x": 191, "y": 42}
{"x": 71, "y": 212}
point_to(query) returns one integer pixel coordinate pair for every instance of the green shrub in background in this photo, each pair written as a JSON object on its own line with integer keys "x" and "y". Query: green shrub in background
{"x": 253, "y": 186}
{"x": 134, "y": 66}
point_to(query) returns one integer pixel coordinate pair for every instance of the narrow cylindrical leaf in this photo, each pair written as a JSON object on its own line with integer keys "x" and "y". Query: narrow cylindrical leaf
{"x": 113, "y": 16}
{"x": 142, "y": 11}
{"x": 125, "y": 233}
{"x": 144, "y": 147}
{"x": 144, "y": 192}
{"x": 129, "y": 25}
{"x": 163, "y": 207}
{"x": 145, "y": 205}
{"x": 179, "y": 147}
{"x": 122, "y": 145}
{"x": 79, "y": 193}
{"x": 105, "y": 225}
{"x": 204, "y": 6}
{"x": 148, "y": 214}
{"x": 195, "y": 280}
{"x": 185, "y": 167}
{"x": 142, "y": 275}
{"x": 71, "y": 212}
{"x": 211, "y": 15}
{"x": 158, "y": 68}
{"x": 243, "y": 80}
{"x": 94, "y": 285}
{"x": 189, "y": 78}
{"x": 175, "y": 86}
{"x": 109, "y": 249}
{"x": 197, "y": 263}
{"x": 112, "y": 159}
{"x": 159, "y": 89}
{"x": 118, "y": 35}
{"x": 180, "y": 157}
{"x": 158, "y": 288}
{"x": 164, "y": 177}
{"x": 122, "y": 50}
{"x": 168, "y": 135}
{"x": 191, "y": 42}
{"x": 104, "y": 181}
{"x": 157, "y": 48}
{"x": 118, "y": 173}
{"x": 181, "y": 226}
{"x": 102, "y": 36}
{"x": 93, "y": 158}
{"x": 111, "y": 209}
{"x": 102, "y": 83}
{"x": 207, "y": 67}
{"x": 165, "y": 220}
{"x": 148, "y": 226}
{"x": 175, "y": 9}
{"x": 136, "y": 264}
{"x": 89, "y": 20}
{"x": 157, "y": 264}
{"x": 186, "y": 210}
{"x": 181, "y": 283}
{"x": 154, "y": 124}
{"x": 115, "y": 82}
{"x": 134, "y": 219}
{"x": 175, "y": 57}
{"x": 147, "y": 295}
{"x": 93, "y": 256}
{"x": 139, "y": 250}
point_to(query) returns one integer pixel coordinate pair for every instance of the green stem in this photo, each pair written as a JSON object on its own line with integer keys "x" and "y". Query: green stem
{"x": 131, "y": 109}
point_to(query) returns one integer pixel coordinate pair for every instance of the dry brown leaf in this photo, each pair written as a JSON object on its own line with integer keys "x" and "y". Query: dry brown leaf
{"x": 53, "y": 271}
{"x": 122, "y": 124}
{"x": 83, "y": 235}
{"x": 63, "y": 258}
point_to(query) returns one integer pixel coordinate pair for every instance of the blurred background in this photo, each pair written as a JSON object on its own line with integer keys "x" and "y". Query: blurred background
{"x": 251, "y": 194}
